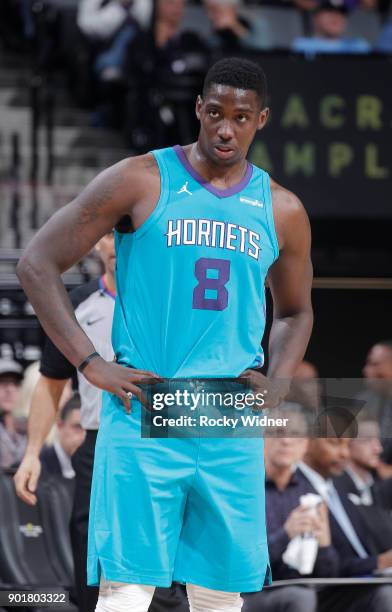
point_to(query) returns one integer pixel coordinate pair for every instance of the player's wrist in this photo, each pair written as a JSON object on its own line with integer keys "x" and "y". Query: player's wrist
{"x": 87, "y": 361}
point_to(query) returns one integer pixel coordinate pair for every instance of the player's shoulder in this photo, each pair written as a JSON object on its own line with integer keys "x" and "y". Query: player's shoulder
{"x": 289, "y": 214}
{"x": 129, "y": 175}
{"x": 141, "y": 165}
{"x": 285, "y": 202}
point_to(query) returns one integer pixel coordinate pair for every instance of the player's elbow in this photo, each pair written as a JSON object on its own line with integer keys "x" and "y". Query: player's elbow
{"x": 30, "y": 270}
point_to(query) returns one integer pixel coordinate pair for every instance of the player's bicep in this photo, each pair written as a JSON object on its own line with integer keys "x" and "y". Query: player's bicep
{"x": 290, "y": 277}
{"x": 75, "y": 229}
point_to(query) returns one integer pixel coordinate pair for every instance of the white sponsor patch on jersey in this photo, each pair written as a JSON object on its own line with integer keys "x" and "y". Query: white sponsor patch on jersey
{"x": 251, "y": 202}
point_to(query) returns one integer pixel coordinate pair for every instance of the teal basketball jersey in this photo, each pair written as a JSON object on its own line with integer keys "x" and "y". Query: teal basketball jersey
{"x": 190, "y": 279}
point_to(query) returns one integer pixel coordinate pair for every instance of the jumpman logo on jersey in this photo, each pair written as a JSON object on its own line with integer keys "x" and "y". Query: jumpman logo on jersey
{"x": 184, "y": 189}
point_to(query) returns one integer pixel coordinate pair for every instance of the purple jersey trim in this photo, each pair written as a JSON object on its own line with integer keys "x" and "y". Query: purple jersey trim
{"x": 220, "y": 193}
{"x": 103, "y": 287}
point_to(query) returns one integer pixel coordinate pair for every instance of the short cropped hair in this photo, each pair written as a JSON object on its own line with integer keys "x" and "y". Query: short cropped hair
{"x": 239, "y": 73}
{"x": 73, "y": 403}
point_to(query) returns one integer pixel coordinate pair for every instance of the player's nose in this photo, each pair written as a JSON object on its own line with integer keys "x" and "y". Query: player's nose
{"x": 225, "y": 130}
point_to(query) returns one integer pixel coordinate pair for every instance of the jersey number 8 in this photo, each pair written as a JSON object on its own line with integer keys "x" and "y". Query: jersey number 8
{"x": 212, "y": 274}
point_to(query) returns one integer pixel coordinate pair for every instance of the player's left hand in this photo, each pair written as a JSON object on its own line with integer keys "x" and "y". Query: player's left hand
{"x": 274, "y": 390}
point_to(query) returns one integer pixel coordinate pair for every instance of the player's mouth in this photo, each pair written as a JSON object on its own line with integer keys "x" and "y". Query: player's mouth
{"x": 223, "y": 151}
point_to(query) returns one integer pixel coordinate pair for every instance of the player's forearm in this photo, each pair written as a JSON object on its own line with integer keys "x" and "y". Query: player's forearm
{"x": 45, "y": 289}
{"x": 289, "y": 339}
{"x": 43, "y": 412}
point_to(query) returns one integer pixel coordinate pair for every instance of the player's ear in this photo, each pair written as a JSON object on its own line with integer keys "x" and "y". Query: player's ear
{"x": 199, "y": 102}
{"x": 263, "y": 118}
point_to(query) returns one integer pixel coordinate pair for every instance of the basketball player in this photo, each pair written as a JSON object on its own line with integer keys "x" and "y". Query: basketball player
{"x": 205, "y": 227}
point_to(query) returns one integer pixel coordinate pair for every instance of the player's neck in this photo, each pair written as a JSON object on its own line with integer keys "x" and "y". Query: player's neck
{"x": 222, "y": 177}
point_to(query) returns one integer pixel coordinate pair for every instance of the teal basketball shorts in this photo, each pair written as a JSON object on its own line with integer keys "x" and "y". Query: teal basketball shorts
{"x": 185, "y": 509}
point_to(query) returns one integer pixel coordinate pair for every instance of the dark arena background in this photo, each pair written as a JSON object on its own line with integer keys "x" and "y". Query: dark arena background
{"x": 81, "y": 89}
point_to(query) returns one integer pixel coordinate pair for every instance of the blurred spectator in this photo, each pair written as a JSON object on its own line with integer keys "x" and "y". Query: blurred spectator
{"x": 378, "y": 373}
{"x": 329, "y": 24}
{"x": 287, "y": 519}
{"x": 113, "y": 24}
{"x": 233, "y": 31}
{"x": 166, "y": 67}
{"x": 109, "y": 26}
{"x": 101, "y": 20}
{"x": 12, "y": 441}
{"x": 323, "y": 460}
{"x": 384, "y": 43}
{"x": 365, "y": 451}
{"x": 56, "y": 459}
{"x": 305, "y": 387}
{"x": 360, "y": 484}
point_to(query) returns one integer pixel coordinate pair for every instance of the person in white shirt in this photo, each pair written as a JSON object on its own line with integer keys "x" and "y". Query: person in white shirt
{"x": 101, "y": 20}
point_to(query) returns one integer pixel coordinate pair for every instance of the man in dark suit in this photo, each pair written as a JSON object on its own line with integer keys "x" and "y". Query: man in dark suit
{"x": 326, "y": 458}
{"x": 361, "y": 485}
{"x": 56, "y": 459}
{"x": 378, "y": 397}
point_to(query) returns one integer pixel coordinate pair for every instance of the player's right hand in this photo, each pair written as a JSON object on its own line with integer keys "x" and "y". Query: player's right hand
{"x": 119, "y": 380}
{"x": 26, "y": 479}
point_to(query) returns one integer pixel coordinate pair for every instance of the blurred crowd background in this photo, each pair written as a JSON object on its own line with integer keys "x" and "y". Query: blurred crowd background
{"x": 86, "y": 83}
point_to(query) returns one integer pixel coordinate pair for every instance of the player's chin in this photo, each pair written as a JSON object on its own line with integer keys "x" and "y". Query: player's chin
{"x": 226, "y": 157}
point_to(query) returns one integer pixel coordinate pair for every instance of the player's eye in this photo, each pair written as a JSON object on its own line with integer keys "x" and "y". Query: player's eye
{"x": 213, "y": 113}
{"x": 242, "y": 118}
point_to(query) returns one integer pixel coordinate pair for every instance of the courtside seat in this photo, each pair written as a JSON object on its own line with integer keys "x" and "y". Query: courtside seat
{"x": 55, "y": 497}
{"x": 28, "y": 554}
